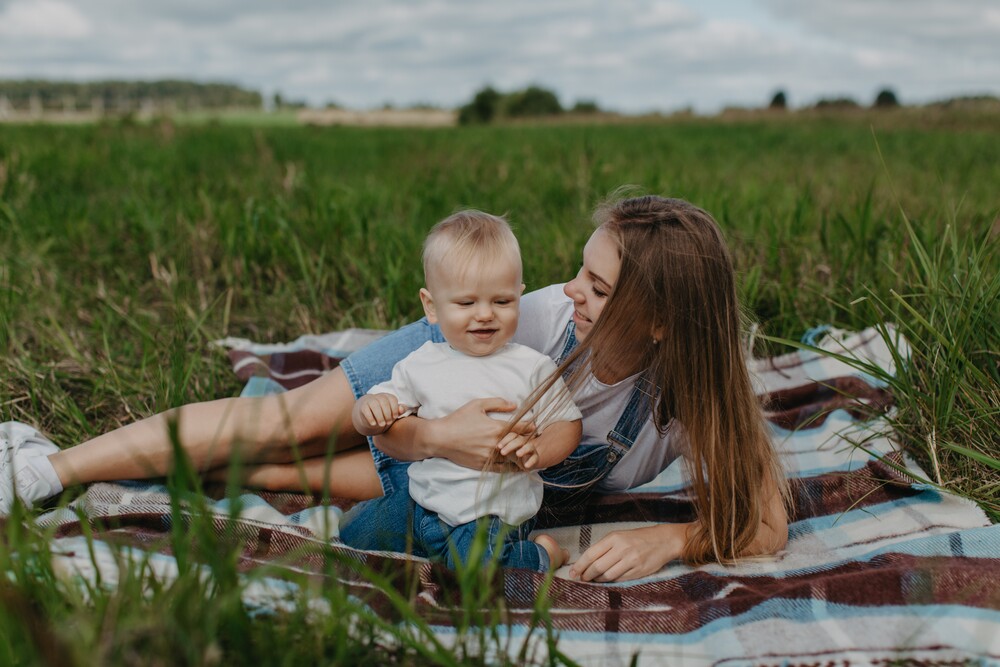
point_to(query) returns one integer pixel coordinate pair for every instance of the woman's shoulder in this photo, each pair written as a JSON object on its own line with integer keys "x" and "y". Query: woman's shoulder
{"x": 544, "y": 316}
{"x": 545, "y": 295}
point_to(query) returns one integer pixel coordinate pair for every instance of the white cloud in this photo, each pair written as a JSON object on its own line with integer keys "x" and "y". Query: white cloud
{"x": 914, "y": 23}
{"x": 43, "y": 19}
{"x": 631, "y": 55}
{"x": 925, "y": 49}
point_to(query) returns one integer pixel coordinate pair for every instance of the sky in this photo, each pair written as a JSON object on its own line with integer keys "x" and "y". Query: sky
{"x": 632, "y": 56}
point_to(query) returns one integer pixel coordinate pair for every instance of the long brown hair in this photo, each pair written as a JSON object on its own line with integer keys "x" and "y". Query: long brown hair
{"x": 674, "y": 312}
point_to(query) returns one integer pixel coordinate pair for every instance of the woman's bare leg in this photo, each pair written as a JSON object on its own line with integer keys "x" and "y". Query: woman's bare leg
{"x": 286, "y": 427}
{"x": 347, "y": 474}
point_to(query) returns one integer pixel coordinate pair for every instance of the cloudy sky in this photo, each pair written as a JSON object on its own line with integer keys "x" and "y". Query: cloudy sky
{"x": 628, "y": 55}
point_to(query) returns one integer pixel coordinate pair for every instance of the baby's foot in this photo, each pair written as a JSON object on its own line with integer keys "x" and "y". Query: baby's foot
{"x": 557, "y": 555}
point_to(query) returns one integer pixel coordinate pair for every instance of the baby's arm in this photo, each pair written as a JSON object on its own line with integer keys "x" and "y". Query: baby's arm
{"x": 375, "y": 413}
{"x": 546, "y": 449}
{"x": 562, "y": 425}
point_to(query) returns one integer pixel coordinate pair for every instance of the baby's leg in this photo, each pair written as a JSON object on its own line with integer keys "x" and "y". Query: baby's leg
{"x": 518, "y": 552}
{"x": 557, "y": 555}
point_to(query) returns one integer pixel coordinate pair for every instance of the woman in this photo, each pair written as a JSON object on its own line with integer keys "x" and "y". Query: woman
{"x": 648, "y": 333}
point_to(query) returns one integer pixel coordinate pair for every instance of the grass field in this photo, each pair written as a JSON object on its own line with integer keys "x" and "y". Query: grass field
{"x": 125, "y": 248}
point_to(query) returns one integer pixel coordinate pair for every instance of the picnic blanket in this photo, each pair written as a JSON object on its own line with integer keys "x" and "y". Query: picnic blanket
{"x": 880, "y": 567}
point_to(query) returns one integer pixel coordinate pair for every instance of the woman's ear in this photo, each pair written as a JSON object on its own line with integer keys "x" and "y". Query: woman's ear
{"x": 658, "y": 333}
{"x": 428, "y": 301}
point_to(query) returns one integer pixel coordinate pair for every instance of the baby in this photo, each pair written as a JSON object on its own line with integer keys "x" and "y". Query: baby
{"x": 472, "y": 271}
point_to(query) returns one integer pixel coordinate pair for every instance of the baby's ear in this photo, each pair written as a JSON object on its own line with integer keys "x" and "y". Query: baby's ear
{"x": 428, "y": 301}
{"x": 522, "y": 288}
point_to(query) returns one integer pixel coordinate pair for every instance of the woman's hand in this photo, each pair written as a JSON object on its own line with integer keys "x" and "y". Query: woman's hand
{"x": 468, "y": 436}
{"x": 630, "y": 554}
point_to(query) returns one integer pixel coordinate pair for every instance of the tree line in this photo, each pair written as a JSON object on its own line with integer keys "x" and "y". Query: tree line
{"x": 885, "y": 99}
{"x": 41, "y": 95}
{"x": 489, "y": 105}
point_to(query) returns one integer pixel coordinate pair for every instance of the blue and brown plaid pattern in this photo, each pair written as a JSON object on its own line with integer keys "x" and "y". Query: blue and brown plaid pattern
{"x": 879, "y": 568}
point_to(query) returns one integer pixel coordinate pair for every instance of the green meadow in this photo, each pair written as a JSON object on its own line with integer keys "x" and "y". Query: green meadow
{"x": 126, "y": 248}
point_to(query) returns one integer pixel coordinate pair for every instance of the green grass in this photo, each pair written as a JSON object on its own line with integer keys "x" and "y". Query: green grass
{"x": 125, "y": 248}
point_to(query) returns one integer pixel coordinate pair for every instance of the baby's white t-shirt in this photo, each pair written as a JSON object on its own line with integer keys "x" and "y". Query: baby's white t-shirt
{"x": 436, "y": 380}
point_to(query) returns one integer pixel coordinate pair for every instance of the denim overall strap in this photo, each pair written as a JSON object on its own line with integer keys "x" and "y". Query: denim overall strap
{"x": 570, "y": 343}
{"x": 636, "y": 410}
{"x": 635, "y": 414}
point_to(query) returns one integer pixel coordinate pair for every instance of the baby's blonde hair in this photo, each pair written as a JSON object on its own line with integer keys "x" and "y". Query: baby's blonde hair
{"x": 467, "y": 235}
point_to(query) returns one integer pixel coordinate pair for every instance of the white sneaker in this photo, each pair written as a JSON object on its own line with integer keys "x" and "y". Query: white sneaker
{"x": 18, "y": 479}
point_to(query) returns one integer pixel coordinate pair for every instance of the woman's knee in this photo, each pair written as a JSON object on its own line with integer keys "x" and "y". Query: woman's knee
{"x": 314, "y": 418}
{"x": 324, "y": 412}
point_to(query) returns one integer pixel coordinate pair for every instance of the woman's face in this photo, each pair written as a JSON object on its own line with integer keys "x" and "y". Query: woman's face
{"x": 594, "y": 282}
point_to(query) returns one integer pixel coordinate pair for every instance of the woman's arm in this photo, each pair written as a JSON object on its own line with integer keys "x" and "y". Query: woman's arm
{"x": 467, "y": 436}
{"x": 772, "y": 535}
{"x": 639, "y": 552}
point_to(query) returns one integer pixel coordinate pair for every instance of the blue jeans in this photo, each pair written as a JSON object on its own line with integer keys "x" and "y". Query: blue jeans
{"x": 396, "y": 523}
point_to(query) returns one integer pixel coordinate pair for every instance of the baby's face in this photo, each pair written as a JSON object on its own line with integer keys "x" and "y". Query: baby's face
{"x": 476, "y": 306}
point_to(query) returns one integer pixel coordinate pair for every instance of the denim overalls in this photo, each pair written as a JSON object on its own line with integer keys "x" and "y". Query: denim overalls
{"x": 389, "y": 522}
{"x": 575, "y": 478}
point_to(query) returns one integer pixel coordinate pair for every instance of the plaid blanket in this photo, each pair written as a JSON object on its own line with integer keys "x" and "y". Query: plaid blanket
{"x": 879, "y": 568}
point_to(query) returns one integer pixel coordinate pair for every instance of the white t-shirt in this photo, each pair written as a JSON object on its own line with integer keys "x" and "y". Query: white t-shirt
{"x": 542, "y": 326}
{"x": 436, "y": 380}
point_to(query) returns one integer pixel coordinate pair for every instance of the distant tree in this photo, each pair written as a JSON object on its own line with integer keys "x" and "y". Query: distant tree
{"x": 489, "y": 105}
{"x": 886, "y": 99}
{"x": 585, "y": 106}
{"x": 778, "y": 101}
{"x": 483, "y": 108}
{"x": 533, "y": 101}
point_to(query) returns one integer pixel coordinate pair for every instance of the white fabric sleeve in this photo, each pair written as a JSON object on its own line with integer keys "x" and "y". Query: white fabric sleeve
{"x": 401, "y": 385}
{"x": 543, "y": 319}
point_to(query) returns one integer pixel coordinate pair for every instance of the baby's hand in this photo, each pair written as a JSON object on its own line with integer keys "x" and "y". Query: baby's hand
{"x": 375, "y": 413}
{"x": 521, "y": 448}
